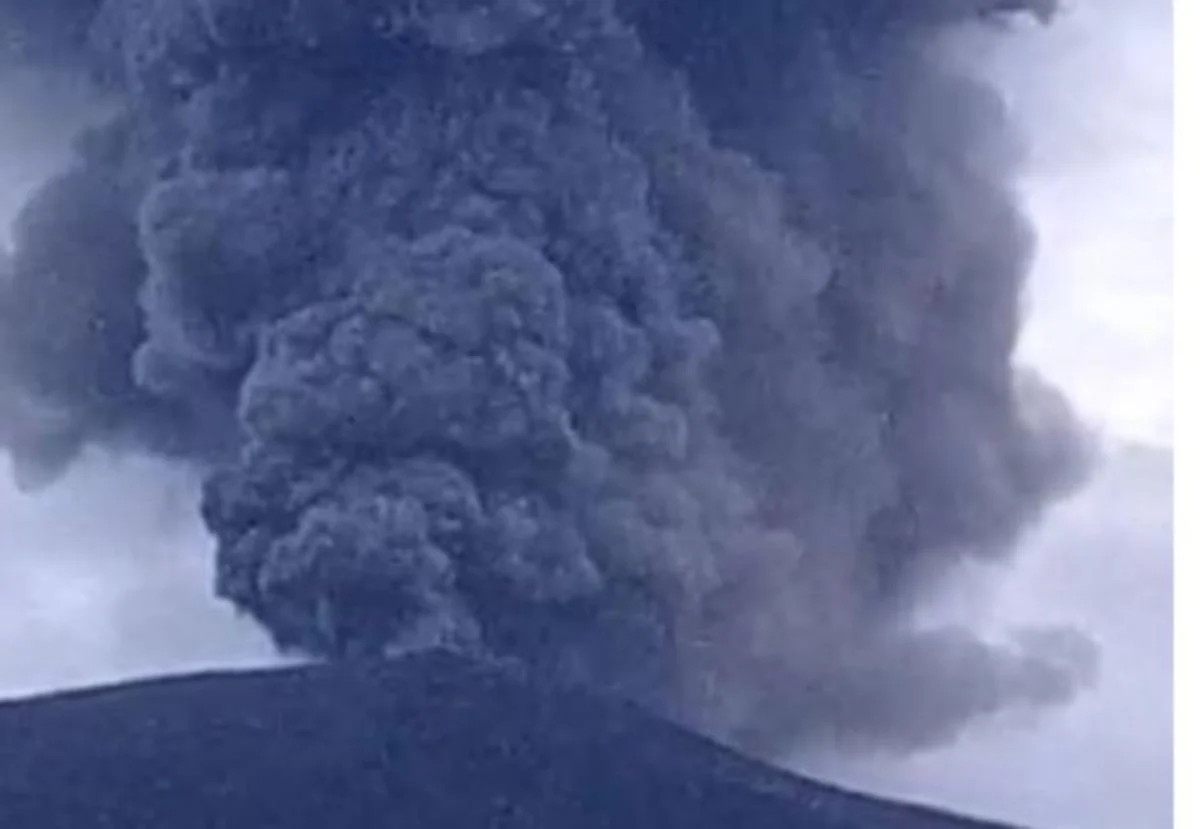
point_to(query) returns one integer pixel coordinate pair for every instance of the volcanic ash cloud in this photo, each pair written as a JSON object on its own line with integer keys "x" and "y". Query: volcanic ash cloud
{"x": 661, "y": 346}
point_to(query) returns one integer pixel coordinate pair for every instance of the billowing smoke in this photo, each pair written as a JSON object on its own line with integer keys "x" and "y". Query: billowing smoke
{"x": 659, "y": 345}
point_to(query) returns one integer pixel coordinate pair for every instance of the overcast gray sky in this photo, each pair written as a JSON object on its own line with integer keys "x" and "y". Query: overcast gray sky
{"x": 1094, "y": 95}
{"x": 106, "y": 575}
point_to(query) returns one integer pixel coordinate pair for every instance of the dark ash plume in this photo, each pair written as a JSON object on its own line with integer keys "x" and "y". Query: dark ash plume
{"x": 661, "y": 345}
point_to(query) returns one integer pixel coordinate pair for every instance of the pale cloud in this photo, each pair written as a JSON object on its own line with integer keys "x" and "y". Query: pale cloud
{"x": 1095, "y": 98}
{"x": 1102, "y": 562}
{"x": 107, "y": 575}
{"x": 1094, "y": 95}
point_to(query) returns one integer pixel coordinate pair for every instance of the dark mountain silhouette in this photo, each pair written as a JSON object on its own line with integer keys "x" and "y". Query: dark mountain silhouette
{"x": 429, "y": 742}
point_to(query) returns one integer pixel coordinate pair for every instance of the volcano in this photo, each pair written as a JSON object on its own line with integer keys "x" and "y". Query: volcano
{"x": 433, "y": 741}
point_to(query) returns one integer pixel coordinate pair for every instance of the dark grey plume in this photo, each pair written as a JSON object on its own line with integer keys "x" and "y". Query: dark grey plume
{"x": 662, "y": 345}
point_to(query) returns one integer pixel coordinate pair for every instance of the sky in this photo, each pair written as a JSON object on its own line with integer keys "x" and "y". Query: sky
{"x": 1093, "y": 95}
{"x": 107, "y": 576}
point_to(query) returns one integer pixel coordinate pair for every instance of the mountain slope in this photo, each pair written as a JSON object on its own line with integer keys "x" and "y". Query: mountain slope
{"x": 433, "y": 742}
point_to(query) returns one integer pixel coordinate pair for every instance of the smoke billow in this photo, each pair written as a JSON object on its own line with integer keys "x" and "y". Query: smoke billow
{"x": 659, "y": 345}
